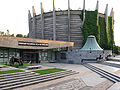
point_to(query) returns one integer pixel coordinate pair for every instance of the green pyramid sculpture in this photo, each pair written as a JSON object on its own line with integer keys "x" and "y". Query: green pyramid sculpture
{"x": 91, "y": 44}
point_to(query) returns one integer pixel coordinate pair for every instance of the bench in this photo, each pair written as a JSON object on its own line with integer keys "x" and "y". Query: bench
{"x": 34, "y": 67}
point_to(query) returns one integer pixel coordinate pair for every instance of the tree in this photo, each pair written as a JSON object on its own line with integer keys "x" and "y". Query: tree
{"x": 25, "y": 36}
{"x": 2, "y": 33}
{"x": 19, "y": 35}
{"x": 12, "y": 35}
{"x": 116, "y": 49}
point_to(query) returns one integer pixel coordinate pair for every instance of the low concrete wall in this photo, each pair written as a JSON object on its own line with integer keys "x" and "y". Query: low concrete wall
{"x": 76, "y": 56}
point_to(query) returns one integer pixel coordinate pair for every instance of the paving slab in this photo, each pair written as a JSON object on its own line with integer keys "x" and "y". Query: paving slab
{"x": 49, "y": 83}
{"x": 88, "y": 77}
{"x": 115, "y": 86}
{"x": 75, "y": 67}
{"x": 73, "y": 84}
{"x": 102, "y": 86}
{"x": 93, "y": 79}
{"x": 114, "y": 62}
{"x": 105, "y": 67}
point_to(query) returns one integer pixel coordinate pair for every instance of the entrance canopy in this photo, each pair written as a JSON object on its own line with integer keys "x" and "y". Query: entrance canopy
{"x": 29, "y": 43}
{"x": 91, "y": 44}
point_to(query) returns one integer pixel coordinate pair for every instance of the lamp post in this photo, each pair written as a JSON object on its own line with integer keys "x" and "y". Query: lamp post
{"x": 113, "y": 48}
{"x": 90, "y": 50}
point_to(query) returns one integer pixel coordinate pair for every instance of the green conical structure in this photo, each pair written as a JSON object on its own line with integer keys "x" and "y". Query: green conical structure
{"x": 91, "y": 44}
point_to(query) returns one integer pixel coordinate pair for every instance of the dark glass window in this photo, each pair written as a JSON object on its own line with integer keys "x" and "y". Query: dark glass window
{"x": 63, "y": 55}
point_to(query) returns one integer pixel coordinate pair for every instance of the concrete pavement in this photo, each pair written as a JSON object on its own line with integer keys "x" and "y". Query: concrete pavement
{"x": 85, "y": 80}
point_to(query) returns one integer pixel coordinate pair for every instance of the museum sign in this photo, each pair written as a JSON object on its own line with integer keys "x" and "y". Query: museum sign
{"x": 23, "y": 43}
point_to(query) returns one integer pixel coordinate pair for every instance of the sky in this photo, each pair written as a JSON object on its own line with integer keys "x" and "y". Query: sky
{"x": 14, "y": 13}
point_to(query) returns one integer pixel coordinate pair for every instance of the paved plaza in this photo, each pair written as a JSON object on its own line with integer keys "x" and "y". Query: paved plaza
{"x": 85, "y": 80}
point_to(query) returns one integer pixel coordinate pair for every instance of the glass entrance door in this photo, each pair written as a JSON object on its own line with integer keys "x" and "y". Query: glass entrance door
{"x": 31, "y": 57}
{"x": 46, "y": 55}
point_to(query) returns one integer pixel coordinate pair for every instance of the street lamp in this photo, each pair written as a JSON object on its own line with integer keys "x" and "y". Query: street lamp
{"x": 113, "y": 48}
{"x": 90, "y": 50}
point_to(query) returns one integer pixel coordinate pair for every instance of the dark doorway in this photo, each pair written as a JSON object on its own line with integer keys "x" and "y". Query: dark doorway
{"x": 31, "y": 57}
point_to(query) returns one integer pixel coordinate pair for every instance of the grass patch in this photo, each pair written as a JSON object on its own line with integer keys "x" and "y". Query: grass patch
{"x": 24, "y": 65}
{"x": 4, "y": 66}
{"x": 10, "y": 71}
{"x": 48, "y": 71}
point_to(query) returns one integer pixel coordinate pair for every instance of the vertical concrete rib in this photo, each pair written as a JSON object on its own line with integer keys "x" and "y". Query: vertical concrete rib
{"x": 42, "y": 20}
{"x": 34, "y": 22}
{"x": 112, "y": 15}
{"x": 106, "y": 17}
{"x": 68, "y": 20}
{"x": 29, "y": 23}
{"x": 97, "y": 8}
{"x": 97, "y": 5}
{"x": 54, "y": 21}
{"x": 83, "y": 11}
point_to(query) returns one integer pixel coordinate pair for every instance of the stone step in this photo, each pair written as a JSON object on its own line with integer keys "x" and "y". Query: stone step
{"x": 111, "y": 74}
{"x": 33, "y": 81}
{"x": 13, "y": 78}
{"x": 33, "y": 77}
{"x": 104, "y": 73}
{"x": 15, "y": 75}
{"x": 29, "y": 75}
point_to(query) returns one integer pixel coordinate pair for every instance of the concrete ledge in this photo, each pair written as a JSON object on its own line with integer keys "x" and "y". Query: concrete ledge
{"x": 33, "y": 67}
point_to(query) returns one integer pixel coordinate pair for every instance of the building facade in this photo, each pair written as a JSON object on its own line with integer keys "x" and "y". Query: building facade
{"x": 61, "y": 30}
{"x": 73, "y": 25}
{"x": 59, "y": 35}
{"x": 30, "y": 50}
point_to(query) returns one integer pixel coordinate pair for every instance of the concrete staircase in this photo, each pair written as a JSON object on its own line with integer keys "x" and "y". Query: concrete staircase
{"x": 110, "y": 76}
{"x": 20, "y": 79}
{"x": 111, "y": 64}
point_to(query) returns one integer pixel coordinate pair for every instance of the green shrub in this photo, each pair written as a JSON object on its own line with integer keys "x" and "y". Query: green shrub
{"x": 48, "y": 71}
{"x": 116, "y": 49}
{"x": 10, "y": 71}
{"x": 24, "y": 65}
